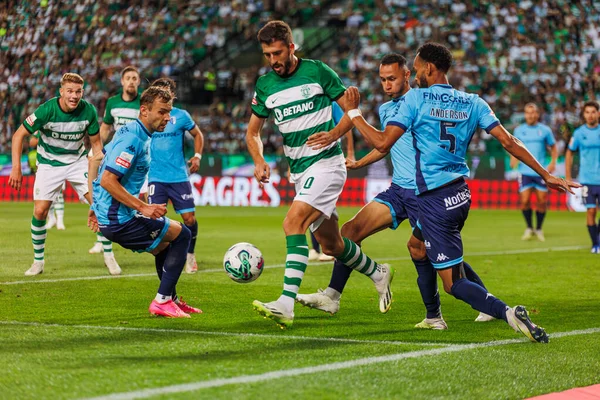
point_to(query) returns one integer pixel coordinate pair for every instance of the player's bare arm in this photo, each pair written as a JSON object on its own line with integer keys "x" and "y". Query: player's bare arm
{"x": 553, "y": 158}
{"x": 373, "y": 156}
{"x": 568, "y": 163}
{"x": 111, "y": 183}
{"x": 106, "y": 133}
{"x": 516, "y": 148}
{"x": 198, "y": 146}
{"x": 16, "y": 174}
{"x": 262, "y": 171}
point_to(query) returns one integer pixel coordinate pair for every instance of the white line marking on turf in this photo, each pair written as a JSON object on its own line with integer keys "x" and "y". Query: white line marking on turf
{"x": 236, "y": 380}
{"x": 475, "y": 254}
{"x": 210, "y": 333}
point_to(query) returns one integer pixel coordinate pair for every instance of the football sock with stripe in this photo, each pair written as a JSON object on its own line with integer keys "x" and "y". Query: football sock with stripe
{"x": 354, "y": 258}
{"x": 59, "y": 207}
{"x": 106, "y": 244}
{"x": 479, "y": 298}
{"x": 38, "y": 238}
{"x": 295, "y": 266}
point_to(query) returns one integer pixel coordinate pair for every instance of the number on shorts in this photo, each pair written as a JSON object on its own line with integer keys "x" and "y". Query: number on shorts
{"x": 584, "y": 191}
{"x": 444, "y": 135}
{"x": 308, "y": 183}
{"x": 150, "y": 192}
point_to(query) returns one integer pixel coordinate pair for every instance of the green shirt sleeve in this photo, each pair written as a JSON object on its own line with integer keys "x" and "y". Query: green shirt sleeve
{"x": 258, "y": 103}
{"x": 108, "y": 118}
{"x": 38, "y": 119}
{"x": 93, "y": 127}
{"x": 330, "y": 82}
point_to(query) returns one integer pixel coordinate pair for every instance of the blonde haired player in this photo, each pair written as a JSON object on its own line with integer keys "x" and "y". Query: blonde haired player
{"x": 62, "y": 123}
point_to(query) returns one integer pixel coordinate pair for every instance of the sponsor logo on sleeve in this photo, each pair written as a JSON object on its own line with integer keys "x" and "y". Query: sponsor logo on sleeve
{"x": 254, "y": 102}
{"x": 31, "y": 119}
{"x": 124, "y": 159}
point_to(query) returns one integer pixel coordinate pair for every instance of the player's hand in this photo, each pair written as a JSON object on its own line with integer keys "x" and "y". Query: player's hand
{"x": 194, "y": 164}
{"x": 321, "y": 139}
{"x": 351, "y": 163}
{"x": 352, "y": 97}
{"x": 262, "y": 173}
{"x": 561, "y": 184}
{"x": 154, "y": 211}
{"x": 92, "y": 221}
{"x": 16, "y": 178}
{"x": 551, "y": 167}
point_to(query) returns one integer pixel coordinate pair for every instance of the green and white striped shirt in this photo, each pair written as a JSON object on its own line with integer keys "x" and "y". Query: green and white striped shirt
{"x": 120, "y": 112}
{"x": 61, "y": 133}
{"x": 301, "y": 106}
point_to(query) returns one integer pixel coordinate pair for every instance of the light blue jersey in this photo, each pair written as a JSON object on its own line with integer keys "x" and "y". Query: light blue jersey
{"x": 126, "y": 156}
{"x": 166, "y": 149}
{"x": 587, "y": 141}
{"x": 402, "y": 152}
{"x": 535, "y": 138}
{"x": 443, "y": 121}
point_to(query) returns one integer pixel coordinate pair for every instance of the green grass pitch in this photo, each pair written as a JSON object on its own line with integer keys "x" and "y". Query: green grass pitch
{"x": 62, "y": 337}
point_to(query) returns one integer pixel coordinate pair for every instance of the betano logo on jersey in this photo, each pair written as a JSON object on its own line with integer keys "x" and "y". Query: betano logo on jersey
{"x": 293, "y": 110}
{"x": 123, "y": 120}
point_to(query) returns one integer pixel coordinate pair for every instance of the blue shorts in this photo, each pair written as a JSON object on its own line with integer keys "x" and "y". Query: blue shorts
{"x": 591, "y": 195}
{"x": 442, "y": 215}
{"x": 140, "y": 234}
{"x": 179, "y": 193}
{"x": 402, "y": 204}
{"x": 528, "y": 182}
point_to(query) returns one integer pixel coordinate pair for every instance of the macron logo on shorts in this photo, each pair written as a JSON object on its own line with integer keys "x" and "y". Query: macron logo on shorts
{"x": 124, "y": 159}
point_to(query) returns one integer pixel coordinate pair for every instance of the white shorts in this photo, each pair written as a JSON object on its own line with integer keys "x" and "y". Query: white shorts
{"x": 144, "y": 188}
{"x": 49, "y": 180}
{"x": 320, "y": 186}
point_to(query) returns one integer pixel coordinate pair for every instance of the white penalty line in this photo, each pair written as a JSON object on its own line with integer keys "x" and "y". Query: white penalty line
{"x": 475, "y": 254}
{"x": 237, "y": 380}
{"x": 235, "y": 334}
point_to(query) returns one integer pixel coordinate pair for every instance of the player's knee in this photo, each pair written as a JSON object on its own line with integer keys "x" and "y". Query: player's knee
{"x": 417, "y": 249}
{"x": 448, "y": 287}
{"x": 40, "y": 212}
{"x": 185, "y": 234}
{"x": 189, "y": 219}
{"x": 333, "y": 247}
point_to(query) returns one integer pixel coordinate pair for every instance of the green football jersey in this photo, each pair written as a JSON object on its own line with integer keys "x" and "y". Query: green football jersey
{"x": 301, "y": 106}
{"x": 61, "y": 133}
{"x": 120, "y": 112}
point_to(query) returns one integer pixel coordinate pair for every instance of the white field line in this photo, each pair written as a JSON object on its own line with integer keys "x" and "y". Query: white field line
{"x": 474, "y": 254}
{"x": 236, "y": 380}
{"x": 210, "y": 333}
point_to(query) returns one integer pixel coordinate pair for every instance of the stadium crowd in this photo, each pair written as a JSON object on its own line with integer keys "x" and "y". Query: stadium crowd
{"x": 501, "y": 49}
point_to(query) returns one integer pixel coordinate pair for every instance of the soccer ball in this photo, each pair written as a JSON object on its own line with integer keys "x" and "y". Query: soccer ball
{"x": 243, "y": 262}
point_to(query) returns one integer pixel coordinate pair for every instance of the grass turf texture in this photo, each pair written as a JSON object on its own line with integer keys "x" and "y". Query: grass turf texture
{"x": 559, "y": 288}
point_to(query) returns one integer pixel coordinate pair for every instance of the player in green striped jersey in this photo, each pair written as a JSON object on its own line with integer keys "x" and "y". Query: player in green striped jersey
{"x": 124, "y": 107}
{"x": 62, "y": 123}
{"x": 299, "y": 93}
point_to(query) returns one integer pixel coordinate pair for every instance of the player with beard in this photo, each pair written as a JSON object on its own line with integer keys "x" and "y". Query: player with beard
{"x": 299, "y": 94}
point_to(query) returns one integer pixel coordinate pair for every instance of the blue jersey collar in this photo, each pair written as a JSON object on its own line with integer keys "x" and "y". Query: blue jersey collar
{"x": 144, "y": 128}
{"x": 443, "y": 85}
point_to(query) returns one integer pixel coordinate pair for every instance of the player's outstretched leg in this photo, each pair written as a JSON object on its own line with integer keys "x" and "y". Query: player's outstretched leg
{"x": 328, "y": 300}
{"x": 471, "y": 275}
{"x": 593, "y": 229}
{"x": 174, "y": 256}
{"x": 51, "y": 220}
{"x": 478, "y": 298}
{"x": 97, "y": 247}
{"x": 38, "y": 239}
